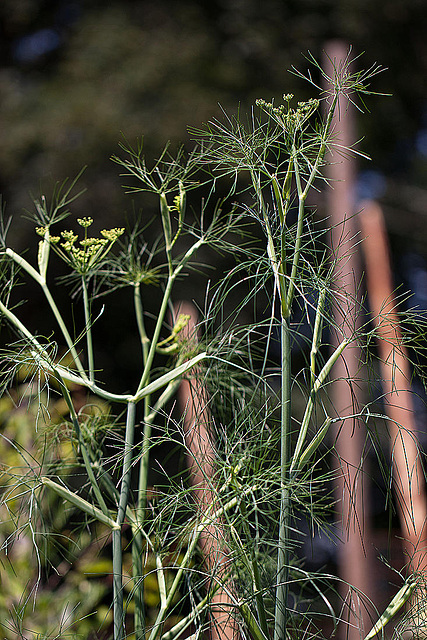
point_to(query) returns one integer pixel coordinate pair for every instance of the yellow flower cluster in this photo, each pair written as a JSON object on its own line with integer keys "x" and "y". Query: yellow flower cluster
{"x": 89, "y": 251}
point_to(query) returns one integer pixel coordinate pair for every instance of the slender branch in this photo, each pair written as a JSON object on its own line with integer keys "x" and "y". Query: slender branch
{"x": 310, "y": 403}
{"x": 317, "y": 334}
{"x": 42, "y": 282}
{"x": 79, "y": 502}
{"x": 139, "y": 314}
{"x": 88, "y": 330}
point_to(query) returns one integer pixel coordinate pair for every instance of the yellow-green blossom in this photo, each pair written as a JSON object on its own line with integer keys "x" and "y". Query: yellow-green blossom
{"x": 112, "y": 234}
{"x": 85, "y": 222}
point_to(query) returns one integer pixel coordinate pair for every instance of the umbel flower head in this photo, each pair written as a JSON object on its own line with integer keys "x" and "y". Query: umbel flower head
{"x": 85, "y": 254}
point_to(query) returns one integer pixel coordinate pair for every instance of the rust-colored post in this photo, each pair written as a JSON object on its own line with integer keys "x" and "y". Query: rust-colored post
{"x": 352, "y": 503}
{"x": 408, "y": 477}
{"x": 193, "y": 403}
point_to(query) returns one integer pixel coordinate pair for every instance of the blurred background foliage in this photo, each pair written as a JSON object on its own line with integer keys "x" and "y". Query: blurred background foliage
{"x": 74, "y": 74}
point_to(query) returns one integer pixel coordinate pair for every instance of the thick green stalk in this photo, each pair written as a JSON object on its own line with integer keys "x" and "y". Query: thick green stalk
{"x": 280, "y": 617}
{"x": 137, "y": 542}
{"x": 137, "y": 539}
{"x": 138, "y": 568}
{"x": 119, "y": 628}
{"x": 118, "y": 612}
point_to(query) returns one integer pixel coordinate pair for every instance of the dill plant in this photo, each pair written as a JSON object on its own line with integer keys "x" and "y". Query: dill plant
{"x": 264, "y": 450}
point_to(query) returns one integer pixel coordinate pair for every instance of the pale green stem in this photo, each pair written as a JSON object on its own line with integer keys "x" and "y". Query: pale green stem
{"x": 137, "y": 541}
{"x": 271, "y": 251}
{"x": 251, "y": 622}
{"x": 302, "y": 196}
{"x": 167, "y": 229}
{"x": 139, "y": 314}
{"x": 313, "y": 446}
{"x": 79, "y": 502}
{"x": 118, "y": 612}
{"x": 42, "y": 282}
{"x": 119, "y": 629}
{"x": 160, "y": 318}
{"x": 88, "y": 330}
{"x": 283, "y": 552}
{"x": 310, "y": 403}
{"x": 162, "y": 312}
{"x": 323, "y": 146}
{"x": 161, "y": 580}
{"x": 260, "y": 604}
{"x": 65, "y": 333}
{"x": 317, "y": 332}
{"x": 138, "y": 568}
{"x": 182, "y": 625}
{"x": 399, "y": 600}
{"x": 298, "y": 238}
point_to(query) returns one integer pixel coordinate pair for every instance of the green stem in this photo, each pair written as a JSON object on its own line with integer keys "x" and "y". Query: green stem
{"x": 139, "y": 314}
{"x": 79, "y": 502}
{"x": 88, "y": 329}
{"x": 138, "y": 568}
{"x": 162, "y": 312}
{"x": 137, "y": 539}
{"x": 303, "y": 193}
{"x": 160, "y": 318}
{"x": 281, "y": 613}
{"x": 311, "y": 401}
{"x": 118, "y": 612}
{"x": 119, "y": 628}
{"x": 298, "y": 238}
{"x": 64, "y": 330}
{"x": 42, "y": 282}
{"x": 260, "y": 604}
{"x": 317, "y": 334}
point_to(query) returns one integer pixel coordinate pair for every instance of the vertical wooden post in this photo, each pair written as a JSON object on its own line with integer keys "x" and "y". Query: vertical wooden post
{"x": 193, "y": 403}
{"x": 408, "y": 475}
{"x": 352, "y": 503}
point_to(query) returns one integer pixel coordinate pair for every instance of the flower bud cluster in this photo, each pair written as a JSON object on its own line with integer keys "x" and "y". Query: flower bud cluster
{"x": 82, "y": 255}
{"x": 288, "y": 117}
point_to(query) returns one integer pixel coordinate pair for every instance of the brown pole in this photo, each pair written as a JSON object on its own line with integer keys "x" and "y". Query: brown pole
{"x": 352, "y": 503}
{"x": 200, "y": 456}
{"x": 408, "y": 476}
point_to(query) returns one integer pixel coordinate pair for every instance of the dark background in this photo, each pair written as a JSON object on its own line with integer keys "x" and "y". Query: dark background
{"x": 75, "y": 75}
